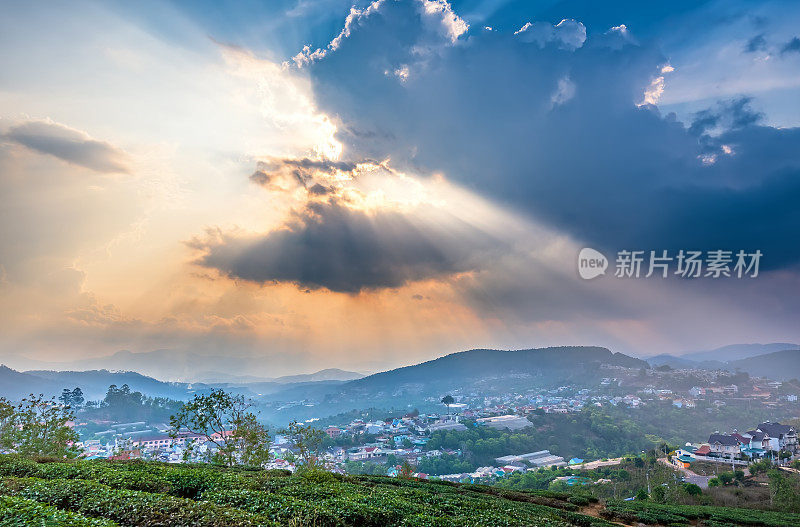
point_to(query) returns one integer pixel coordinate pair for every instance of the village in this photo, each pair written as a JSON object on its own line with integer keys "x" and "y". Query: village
{"x": 394, "y": 442}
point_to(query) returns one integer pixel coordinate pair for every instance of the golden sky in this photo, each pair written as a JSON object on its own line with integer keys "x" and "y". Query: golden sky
{"x": 177, "y": 192}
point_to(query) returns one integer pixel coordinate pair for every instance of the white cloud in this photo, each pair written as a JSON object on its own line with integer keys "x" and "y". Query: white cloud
{"x": 569, "y": 34}
{"x": 564, "y": 91}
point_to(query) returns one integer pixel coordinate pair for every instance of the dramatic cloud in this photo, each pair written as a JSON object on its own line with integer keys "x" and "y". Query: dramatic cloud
{"x": 285, "y": 174}
{"x": 343, "y": 239}
{"x": 70, "y": 145}
{"x": 554, "y": 126}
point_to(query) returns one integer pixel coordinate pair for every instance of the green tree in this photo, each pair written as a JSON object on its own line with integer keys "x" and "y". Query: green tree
{"x": 225, "y": 421}
{"x": 307, "y": 440}
{"x": 659, "y": 494}
{"x": 784, "y": 491}
{"x": 406, "y": 470}
{"x": 6, "y": 422}
{"x": 447, "y": 400}
{"x": 37, "y": 426}
{"x": 692, "y": 490}
{"x": 77, "y": 398}
{"x": 66, "y": 397}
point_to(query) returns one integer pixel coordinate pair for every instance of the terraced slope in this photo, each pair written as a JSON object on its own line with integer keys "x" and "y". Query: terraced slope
{"x": 149, "y": 494}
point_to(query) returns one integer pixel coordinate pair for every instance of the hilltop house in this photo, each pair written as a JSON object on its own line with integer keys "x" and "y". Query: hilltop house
{"x": 723, "y": 446}
{"x": 781, "y": 437}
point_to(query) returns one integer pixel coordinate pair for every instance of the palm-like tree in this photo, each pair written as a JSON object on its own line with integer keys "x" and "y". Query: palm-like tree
{"x": 447, "y": 400}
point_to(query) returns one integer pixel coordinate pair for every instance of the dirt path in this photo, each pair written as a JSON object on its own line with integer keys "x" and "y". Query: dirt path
{"x": 594, "y": 510}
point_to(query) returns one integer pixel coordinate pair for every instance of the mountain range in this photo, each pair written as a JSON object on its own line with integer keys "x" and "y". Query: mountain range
{"x": 737, "y": 351}
{"x": 780, "y": 361}
{"x": 94, "y": 383}
{"x": 186, "y": 366}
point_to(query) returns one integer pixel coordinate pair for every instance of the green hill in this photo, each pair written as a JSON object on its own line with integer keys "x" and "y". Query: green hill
{"x": 780, "y": 365}
{"x": 541, "y": 365}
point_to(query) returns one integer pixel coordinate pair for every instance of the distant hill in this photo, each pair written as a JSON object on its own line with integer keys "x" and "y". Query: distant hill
{"x": 15, "y": 385}
{"x": 176, "y": 365}
{"x": 737, "y": 352}
{"x": 94, "y": 383}
{"x": 780, "y": 365}
{"x": 462, "y": 368}
{"x": 330, "y": 374}
{"x": 671, "y": 361}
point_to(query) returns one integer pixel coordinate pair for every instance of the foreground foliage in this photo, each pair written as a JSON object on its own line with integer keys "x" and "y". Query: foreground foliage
{"x": 675, "y": 515}
{"x": 144, "y": 494}
{"x": 148, "y": 494}
{"x": 16, "y": 511}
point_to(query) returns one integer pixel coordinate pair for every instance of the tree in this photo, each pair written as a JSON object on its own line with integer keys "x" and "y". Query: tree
{"x": 406, "y": 470}
{"x": 225, "y": 421}
{"x": 250, "y": 440}
{"x": 642, "y": 495}
{"x": 659, "y": 494}
{"x": 37, "y": 426}
{"x": 692, "y": 490}
{"x": 77, "y": 397}
{"x": 447, "y": 400}
{"x": 784, "y": 491}
{"x": 307, "y": 441}
{"x": 65, "y": 397}
{"x": 6, "y": 422}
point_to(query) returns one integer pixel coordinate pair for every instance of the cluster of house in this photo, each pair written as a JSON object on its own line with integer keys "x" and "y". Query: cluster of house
{"x": 511, "y": 464}
{"x": 156, "y": 446}
{"x": 768, "y": 440}
{"x": 563, "y": 399}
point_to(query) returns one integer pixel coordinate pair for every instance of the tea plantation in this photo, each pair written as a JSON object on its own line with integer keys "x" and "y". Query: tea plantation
{"x": 100, "y": 493}
{"x": 97, "y": 493}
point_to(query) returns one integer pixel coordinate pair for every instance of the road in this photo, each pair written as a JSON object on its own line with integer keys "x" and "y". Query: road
{"x": 691, "y": 477}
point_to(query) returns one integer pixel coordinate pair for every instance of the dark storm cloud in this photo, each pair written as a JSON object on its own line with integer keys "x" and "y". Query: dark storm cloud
{"x": 70, "y": 145}
{"x": 561, "y": 135}
{"x": 330, "y": 245}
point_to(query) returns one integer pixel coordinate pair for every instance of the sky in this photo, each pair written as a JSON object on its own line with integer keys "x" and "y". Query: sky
{"x": 295, "y": 185}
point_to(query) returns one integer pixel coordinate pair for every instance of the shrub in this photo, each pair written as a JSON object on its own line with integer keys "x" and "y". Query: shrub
{"x": 20, "y": 511}
{"x": 127, "y": 507}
